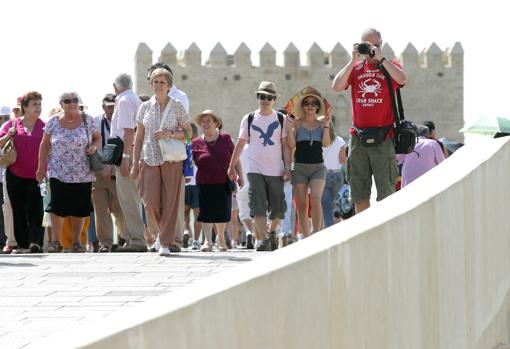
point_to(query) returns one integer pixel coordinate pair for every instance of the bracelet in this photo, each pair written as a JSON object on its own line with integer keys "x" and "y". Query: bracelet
{"x": 126, "y": 156}
{"x": 325, "y": 126}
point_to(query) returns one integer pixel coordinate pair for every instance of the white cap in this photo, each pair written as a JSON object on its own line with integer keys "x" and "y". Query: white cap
{"x": 5, "y": 110}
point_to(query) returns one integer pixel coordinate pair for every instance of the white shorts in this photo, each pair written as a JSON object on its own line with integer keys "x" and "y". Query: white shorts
{"x": 243, "y": 201}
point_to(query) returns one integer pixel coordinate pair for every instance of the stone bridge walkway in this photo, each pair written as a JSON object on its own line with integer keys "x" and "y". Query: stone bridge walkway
{"x": 41, "y": 295}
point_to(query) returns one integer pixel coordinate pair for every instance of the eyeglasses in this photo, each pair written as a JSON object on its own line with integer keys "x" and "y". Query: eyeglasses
{"x": 70, "y": 100}
{"x": 312, "y": 103}
{"x": 263, "y": 97}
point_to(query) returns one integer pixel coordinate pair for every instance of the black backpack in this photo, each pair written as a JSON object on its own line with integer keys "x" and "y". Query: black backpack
{"x": 252, "y": 115}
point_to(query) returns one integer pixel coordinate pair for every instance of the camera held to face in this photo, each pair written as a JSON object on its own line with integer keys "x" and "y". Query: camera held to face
{"x": 366, "y": 49}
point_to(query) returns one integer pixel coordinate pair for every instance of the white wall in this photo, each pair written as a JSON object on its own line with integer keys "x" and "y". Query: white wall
{"x": 426, "y": 268}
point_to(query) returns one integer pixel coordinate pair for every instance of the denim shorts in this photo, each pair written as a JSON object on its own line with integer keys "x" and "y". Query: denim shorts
{"x": 191, "y": 196}
{"x": 304, "y": 173}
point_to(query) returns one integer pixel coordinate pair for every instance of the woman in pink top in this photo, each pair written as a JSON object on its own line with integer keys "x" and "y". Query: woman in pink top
{"x": 22, "y": 185}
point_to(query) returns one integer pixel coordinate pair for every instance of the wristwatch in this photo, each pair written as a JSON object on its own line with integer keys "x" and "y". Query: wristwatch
{"x": 125, "y": 156}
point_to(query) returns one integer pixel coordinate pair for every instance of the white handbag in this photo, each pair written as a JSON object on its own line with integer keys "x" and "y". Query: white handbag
{"x": 173, "y": 150}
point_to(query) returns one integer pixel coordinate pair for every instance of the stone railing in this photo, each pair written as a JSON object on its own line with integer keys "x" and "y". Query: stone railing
{"x": 426, "y": 268}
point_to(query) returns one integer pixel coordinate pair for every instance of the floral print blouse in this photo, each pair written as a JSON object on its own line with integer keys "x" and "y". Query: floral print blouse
{"x": 149, "y": 114}
{"x": 67, "y": 160}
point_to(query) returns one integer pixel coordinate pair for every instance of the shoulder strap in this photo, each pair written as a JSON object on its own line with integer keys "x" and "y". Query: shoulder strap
{"x": 280, "y": 118}
{"x": 103, "y": 136}
{"x": 250, "y": 120}
{"x": 84, "y": 118}
{"x": 398, "y": 112}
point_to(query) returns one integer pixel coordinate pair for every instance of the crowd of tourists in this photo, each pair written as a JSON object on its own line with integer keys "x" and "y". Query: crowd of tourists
{"x": 287, "y": 176}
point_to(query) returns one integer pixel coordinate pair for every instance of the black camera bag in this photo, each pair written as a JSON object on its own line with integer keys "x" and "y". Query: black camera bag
{"x": 112, "y": 151}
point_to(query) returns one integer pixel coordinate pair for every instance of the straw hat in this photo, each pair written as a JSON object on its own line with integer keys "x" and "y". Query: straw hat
{"x": 294, "y": 105}
{"x": 198, "y": 117}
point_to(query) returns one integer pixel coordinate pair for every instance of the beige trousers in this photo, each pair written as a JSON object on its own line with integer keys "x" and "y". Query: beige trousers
{"x": 8, "y": 220}
{"x": 131, "y": 206}
{"x": 161, "y": 189}
{"x": 106, "y": 203}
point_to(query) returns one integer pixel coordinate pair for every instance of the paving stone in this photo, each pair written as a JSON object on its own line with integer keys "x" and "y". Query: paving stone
{"x": 42, "y": 294}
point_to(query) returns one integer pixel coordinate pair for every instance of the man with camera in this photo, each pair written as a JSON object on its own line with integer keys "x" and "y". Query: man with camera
{"x": 371, "y": 146}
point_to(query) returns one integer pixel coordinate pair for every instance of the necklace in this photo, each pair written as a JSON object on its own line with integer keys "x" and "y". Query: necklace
{"x": 211, "y": 139}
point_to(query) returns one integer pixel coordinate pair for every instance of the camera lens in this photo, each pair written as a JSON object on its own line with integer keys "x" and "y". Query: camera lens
{"x": 364, "y": 49}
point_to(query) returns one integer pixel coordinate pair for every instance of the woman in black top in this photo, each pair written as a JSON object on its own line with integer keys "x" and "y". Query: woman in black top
{"x": 308, "y": 134}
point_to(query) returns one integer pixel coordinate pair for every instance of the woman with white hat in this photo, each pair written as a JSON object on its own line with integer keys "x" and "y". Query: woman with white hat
{"x": 308, "y": 134}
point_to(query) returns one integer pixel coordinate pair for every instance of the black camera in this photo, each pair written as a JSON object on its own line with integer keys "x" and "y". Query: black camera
{"x": 366, "y": 49}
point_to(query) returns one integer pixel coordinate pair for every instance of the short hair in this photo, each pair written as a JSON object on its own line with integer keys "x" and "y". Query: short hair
{"x": 156, "y": 66}
{"x": 27, "y": 97}
{"x": 369, "y": 31}
{"x": 423, "y": 131}
{"x": 430, "y": 124}
{"x": 66, "y": 95}
{"x": 123, "y": 82}
{"x": 162, "y": 72}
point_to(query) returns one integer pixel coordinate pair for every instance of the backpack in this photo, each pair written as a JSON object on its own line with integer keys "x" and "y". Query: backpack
{"x": 252, "y": 115}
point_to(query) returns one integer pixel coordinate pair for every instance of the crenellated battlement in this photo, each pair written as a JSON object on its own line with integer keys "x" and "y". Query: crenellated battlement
{"x": 431, "y": 57}
{"x": 434, "y": 90}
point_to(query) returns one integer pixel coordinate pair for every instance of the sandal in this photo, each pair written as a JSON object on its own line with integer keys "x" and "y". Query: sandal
{"x": 78, "y": 248}
{"x": 54, "y": 247}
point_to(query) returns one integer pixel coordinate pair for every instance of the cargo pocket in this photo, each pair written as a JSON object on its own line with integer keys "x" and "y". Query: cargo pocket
{"x": 393, "y": 171}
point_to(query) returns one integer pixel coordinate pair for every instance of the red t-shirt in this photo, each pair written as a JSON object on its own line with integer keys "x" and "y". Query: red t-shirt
{"x": 208, "y": 162}
{"x": 371, "y": 101}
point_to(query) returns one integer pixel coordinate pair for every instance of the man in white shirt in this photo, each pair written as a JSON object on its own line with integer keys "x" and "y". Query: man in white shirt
{"x": 104, "y": 189}
{"x": 268, "y": 164}
{"x": 123, "y": 126}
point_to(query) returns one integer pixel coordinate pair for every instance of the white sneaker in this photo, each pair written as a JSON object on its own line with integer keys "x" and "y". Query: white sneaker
{"x": 234, "y": 245}
{"x": 164, "y": 251}
{"x": 300, "y": 237}
{"x": 156, "y": 245}
{"x": 196, "y": 245}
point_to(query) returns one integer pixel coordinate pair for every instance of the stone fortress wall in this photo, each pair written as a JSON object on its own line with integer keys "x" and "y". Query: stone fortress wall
{"x": 226, "y": 82}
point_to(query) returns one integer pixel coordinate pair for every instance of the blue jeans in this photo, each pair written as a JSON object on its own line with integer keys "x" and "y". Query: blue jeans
{"x": 334, "y": 181}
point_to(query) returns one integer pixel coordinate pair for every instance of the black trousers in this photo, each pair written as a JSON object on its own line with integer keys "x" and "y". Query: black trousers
{"x": 27, "y": 209}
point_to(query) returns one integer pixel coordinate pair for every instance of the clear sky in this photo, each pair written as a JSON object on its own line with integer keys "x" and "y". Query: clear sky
{"x": 56, "y": 46}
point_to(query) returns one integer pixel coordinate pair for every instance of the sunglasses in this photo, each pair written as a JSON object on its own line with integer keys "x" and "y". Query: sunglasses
{"x": 70, "y": 100}
{"x": 312, "y": 103}
{"x": 263, "y": 97}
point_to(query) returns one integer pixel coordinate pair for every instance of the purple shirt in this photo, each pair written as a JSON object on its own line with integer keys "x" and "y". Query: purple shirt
{"x": 27, "y": 147}
{"x": 212, "y": 167}
{"x": 426, "y": 155}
